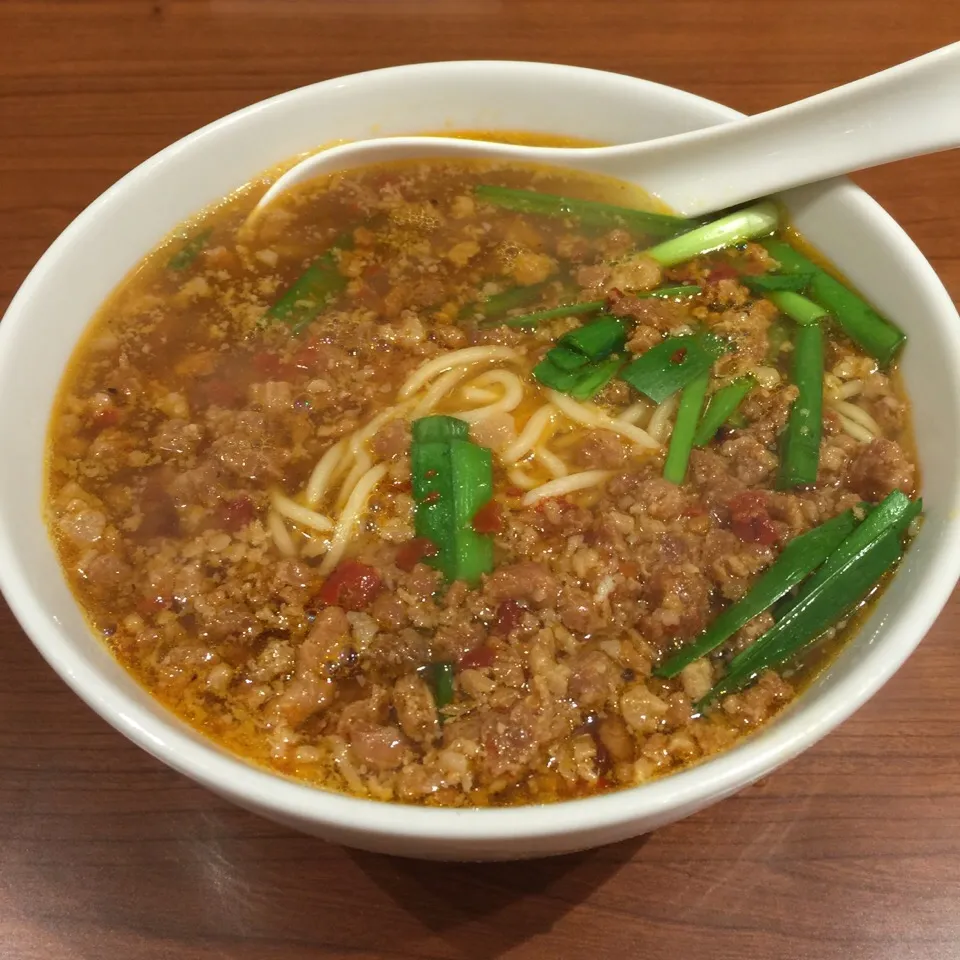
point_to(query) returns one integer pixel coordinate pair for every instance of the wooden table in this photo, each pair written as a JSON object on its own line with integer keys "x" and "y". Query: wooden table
{"x": 852, "y": 851}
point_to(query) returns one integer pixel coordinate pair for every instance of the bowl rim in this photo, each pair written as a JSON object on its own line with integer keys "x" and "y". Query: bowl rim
{"x": 170, "y": 740}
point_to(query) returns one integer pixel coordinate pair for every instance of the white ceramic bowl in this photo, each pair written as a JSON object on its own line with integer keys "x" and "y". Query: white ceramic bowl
{"x": 106, "y": 240}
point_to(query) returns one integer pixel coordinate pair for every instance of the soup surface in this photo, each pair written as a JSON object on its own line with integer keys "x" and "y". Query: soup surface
{"x": 329, "y": 495}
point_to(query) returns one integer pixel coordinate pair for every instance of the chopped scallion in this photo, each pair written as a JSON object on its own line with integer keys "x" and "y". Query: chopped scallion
{"x": 452, "y": 479}
{"x": 796, "y": 306}
{"x": 860, "y": 322}
{"x": 837, "y": 589}
{"x": 598, "y": 339}
{"x": 189, "y": 252}
{"x": 723, "y": 404}
{"x": 671, "y": 365}
{"x": 800, "y": 557}
{"x": 800, "y": 452}
{"x": 532, "y": 319}
{"x": 684, "y": 427}
{"x": 588, "y": 212}
{"x": 749, "y": 223}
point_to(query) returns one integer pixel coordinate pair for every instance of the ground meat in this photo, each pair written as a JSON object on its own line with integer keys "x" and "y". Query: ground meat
{"x": 509, "y": 740}
{"x": 239, "y": 446}
{"x": 577, "y": 611}
{"x": 524, "y": 581}
{"x": 644, "y": 337}
{"x": 303, "y": 696}
{"x": 616, "y": 739}
{"x": 416, "y": 708}
{"x": 879, "y": 469}
{"x": 638, "y": 272}
{"x": 732, "y": 564}
{"x": 641, "y": 709}
{"x": 381, "y": 748}
{"x": 392, "y": 440}
{"x": 178, "y": 437}
{"x": 697, "y": 678}
{"x": 659, "y": 498}
{"x": 655, "y": 313}
{"x": 752, "y": 462}
{"x": 80, "y": 524}
{"x": 106, "y": 572}
{"x": 601, "y": 450}
{"x": 594, "y": 679}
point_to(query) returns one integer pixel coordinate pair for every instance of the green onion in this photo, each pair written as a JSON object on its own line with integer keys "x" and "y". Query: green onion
{"x": 746, "y": 224}
{"x": 440, "y": 680}
{"x": 189, "y": 251}
{"x": 838, "y": 589}
{"x": 589, "y": 306}
{"x": 553, "y": 376}
{"x": 567, "y": 359}
{"x": 302, "y": 303}
{"x": 532, "y": 319}
{"x": 800, "y": 453}
{"x": 314, "y": 289}
{"x": 722, "y": 406}
{"x": 889, "y": 513}
{"x": 501, "y": 303}
{"x": 799, "y": 558}
{"x": 671, "y": 365}
{"x": 581, "y": 383}
{"x": 796, "y": 306}
{"x": 452, "y": 479}
{"x": 860, "y": 322}
{"x": 771, "y": 282}
{"x": 588, "y": 212}
{"x": 440, "y": 429}
{"x": 592, "y": 380}
{"x": 598, "y": 339}
{"x": 684, "y": 427}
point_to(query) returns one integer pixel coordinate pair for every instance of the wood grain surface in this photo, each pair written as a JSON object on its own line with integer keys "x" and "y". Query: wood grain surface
{"x": 852, "y": 851}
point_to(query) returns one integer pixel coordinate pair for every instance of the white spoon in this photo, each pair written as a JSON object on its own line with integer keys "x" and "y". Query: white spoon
{"x": 906, "y": 111}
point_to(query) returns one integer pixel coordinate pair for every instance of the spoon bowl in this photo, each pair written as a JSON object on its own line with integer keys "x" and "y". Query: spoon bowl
{"x": 907, "y": 110}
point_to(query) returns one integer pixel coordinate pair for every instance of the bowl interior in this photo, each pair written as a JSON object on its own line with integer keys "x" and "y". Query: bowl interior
{"x": 92, "y": 256}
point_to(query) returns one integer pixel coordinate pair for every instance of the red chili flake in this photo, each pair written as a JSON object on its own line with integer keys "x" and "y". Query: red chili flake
{"x": 750, "y": 518}
{"x": 603, "y": 783}
{"x": 721, "y": 271}
{"x": 266, "y": 364}
{"x": 352, "y": 585}
{"x": 679, "y": 355}
{"x": 430, "y": 474}
{"x": 414, "y": 552}
{"x": 489, "y": 518}
{"x": 694, "y": 508}
{"x": 222, "y": 393}
{"x": 235, "y": 514}
{"x": 432, "y": 497}
{"x": 150, "y": 605}
{"x": 306, "y": 357}
{"x": 478, "y": 658}
{"x": 508, "y": 618}
{"x": 108, "y": 417}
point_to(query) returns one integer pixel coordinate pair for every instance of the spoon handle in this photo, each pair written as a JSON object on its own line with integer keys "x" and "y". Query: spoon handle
{"x": 906, "y": 111}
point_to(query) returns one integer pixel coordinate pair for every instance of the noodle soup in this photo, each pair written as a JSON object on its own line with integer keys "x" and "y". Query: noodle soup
{"x": 473, "y": 484}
